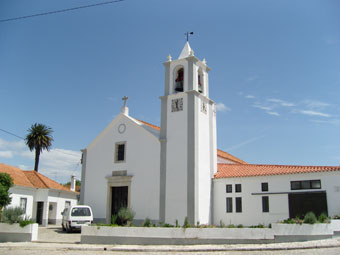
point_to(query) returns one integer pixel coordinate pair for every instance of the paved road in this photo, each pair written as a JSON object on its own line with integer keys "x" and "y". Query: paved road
{"x": 25, "y": 251}
{"x": 68, "y": 243}
{"x": 54, "y": 233}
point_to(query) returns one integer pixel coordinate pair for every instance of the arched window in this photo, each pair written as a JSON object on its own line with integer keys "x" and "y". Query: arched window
{"x": 179, "y": 82}
{"x": 200, "y": 81}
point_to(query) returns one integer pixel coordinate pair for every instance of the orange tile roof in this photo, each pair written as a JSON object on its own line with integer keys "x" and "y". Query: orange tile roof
{"x": 230, "y": 157}
{"x": 18, "y": 176}
{"x": 150, "y": 125}
{"x": 30, "y": 178}
{"x": 220, "y": 153}
{"x": 249, "y": 170}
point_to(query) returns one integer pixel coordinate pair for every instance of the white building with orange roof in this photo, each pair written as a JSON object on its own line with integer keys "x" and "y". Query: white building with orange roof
{"x": 42, "y": 199}
{"x": 175, "y": 171}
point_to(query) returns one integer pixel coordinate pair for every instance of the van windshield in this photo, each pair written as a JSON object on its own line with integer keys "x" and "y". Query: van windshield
{"x": 78, "y": 211}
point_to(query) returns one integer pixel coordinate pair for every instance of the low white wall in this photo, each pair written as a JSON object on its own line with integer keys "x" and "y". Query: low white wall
{"x": 182, "y": 236}
{"x": 140, "y": 235}
{"x": 15, "y": 233}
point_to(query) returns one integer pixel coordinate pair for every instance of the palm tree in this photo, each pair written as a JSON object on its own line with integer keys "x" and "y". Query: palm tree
{"x": 39, "y": 138}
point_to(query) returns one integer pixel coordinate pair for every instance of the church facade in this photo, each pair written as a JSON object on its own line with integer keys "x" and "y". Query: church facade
{"x": 175, "y": 171}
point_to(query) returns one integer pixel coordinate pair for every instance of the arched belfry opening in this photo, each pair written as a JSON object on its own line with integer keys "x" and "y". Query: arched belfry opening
{"x": 200, "y": 83}
{"x": 179, "y": 81}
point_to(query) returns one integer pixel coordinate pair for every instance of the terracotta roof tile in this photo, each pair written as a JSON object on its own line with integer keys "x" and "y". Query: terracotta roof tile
{"x": 220, "y": 153}
{"x": 150, "y": 125}
{"x": 230, "y": 157}
{"x": 30, "y": 178}
{"x": 248, "y": 170}
{"x": 18, "y": 176}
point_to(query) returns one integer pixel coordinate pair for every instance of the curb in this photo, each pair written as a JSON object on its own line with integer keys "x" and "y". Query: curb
{"x": 335, "y": 243}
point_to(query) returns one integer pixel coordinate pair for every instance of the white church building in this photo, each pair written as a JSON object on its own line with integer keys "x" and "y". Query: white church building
{"x": 175, "y": 171}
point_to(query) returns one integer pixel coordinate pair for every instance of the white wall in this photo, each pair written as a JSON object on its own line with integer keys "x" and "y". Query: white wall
{"x": 176, "y": 162}
{"x": 278, "y": 203}
{"x": 142, "y": 162}
{"x": 204, "y": 163}
{"x": 18, "y": 192}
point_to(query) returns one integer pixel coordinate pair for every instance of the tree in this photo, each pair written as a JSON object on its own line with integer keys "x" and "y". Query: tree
{"x": 5, "y": 183}
{"x": 39, "y": 138}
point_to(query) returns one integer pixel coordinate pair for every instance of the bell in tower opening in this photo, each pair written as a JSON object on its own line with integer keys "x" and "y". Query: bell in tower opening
{"x": 179, "y": 80}
{"x": 200, "y": 82}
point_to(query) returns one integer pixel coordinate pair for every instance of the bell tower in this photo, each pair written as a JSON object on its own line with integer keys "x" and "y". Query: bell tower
{"x": 188, "y": 141}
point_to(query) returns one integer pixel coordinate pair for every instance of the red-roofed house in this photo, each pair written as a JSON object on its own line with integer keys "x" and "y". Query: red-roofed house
{"x": 42, "y": 199}
{"x": 175, "y": 171}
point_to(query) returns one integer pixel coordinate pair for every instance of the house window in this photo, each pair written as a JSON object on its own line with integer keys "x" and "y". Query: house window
{"x": 264, "y": 186}
{"x": 229, "y": 188}
{"x": 238, "y": 188}
{"x": 23, "y": 203}
{"x": 265, "y": 204}
{"x": 238, "y": 201}
{"x": 229, "y": 205}
{"x": 309, "y": 184}
{"x": 120, "y": 152}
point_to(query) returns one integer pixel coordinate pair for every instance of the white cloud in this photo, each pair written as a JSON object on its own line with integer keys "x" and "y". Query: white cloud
{"x": 266, "y": 108}
{"x": 280, "y": 102}
{"x": 251, "y": 140}
{"x": 6, "y": 154}
{"x": 220, "y": 107}
{"x": 314, "y": 113}
{"x": 57, "y": 164}
{"x": 274, "y": 113}
{"x": 315, "y": 105}
{"x": 12, "y": 144}
{"x": 250, "y": 96}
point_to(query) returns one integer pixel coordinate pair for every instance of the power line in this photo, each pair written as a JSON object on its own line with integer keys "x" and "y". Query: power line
{"x": 58, "y": 11}
{"x": 12, "y": 134}
{"x": 25, "y": 139}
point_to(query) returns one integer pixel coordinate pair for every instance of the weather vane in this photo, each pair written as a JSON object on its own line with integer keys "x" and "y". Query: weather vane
{"x": 187, "y": 35}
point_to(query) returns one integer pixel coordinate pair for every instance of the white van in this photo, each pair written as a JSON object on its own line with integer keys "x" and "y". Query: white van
{"x": 76, "y": 216}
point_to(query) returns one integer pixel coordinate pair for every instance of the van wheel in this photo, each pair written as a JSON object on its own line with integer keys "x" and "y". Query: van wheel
{"x": 68, "y": 230}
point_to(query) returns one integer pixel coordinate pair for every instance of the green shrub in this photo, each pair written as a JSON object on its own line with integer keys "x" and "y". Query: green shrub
{"x": 167, "y": 225}
{"x": 310, "y": 218}
{"x": 147, "y": 223}
{"x": 12, "y": 215}
{"x": 176, "y": 224}
{"x": 239, "y": 226}
{"x": 186, "y": 223}
{"x": 125, "y": 216}
{"x": 26, "y": 221}
{"x": 114, "y": 219}
{"x": 231, "y": 226}
{"x": 323, "y": 218}
{"x": 336, "y": 217}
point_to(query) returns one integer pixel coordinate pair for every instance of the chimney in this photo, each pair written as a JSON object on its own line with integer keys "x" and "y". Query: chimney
{"x": 73, "y": 183}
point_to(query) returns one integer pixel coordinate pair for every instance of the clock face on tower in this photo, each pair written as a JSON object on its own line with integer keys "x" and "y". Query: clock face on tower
{"x": 177, "y": 105}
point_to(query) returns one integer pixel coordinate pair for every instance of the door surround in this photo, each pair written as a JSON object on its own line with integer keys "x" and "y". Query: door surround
{"x": 118, "y": 179}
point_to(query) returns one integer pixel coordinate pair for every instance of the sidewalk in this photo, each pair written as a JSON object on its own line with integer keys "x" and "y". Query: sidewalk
{"x": 327, "y": 243}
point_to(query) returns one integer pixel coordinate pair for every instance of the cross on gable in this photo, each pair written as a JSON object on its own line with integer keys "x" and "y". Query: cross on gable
{"x": 125, "y": 98}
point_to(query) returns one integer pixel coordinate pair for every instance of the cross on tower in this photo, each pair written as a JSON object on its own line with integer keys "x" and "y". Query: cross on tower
{"x": 125, "y": 98}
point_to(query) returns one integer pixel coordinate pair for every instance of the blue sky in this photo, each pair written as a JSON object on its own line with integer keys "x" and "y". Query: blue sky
{"x": 275, "y": 74}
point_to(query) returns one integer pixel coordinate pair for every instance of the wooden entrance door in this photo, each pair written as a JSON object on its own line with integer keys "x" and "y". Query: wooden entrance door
{"x": 119, "y": 198}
